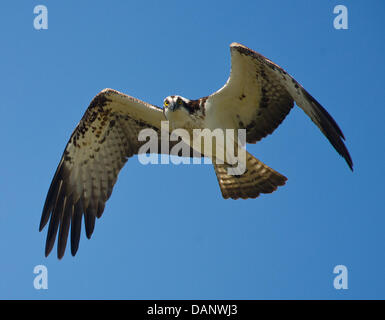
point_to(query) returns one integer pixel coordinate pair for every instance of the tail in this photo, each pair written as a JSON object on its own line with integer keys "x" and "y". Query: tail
{"x": 258, "y": 178}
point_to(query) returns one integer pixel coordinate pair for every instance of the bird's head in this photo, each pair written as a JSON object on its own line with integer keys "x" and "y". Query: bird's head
{"x": 174, "y": 103}
{"x": 176, "y": 107}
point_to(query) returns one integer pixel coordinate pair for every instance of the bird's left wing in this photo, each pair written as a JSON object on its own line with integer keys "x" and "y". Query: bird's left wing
{"x": 96, "y": 152}
{"x": 259, "y": 94}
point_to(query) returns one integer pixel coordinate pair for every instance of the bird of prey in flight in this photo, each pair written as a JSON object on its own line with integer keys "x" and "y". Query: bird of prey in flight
{"x": 257, "y": 97}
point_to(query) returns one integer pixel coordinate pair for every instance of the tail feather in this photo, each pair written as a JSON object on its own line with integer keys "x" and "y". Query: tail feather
{"x": 258, "y": 178}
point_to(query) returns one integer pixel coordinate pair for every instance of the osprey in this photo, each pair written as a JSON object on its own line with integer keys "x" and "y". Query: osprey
{"x": 257, "y": 97}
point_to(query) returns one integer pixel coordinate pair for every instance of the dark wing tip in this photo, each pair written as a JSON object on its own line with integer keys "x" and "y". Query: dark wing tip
{"x": 349, "y": 161}
{"x": 52, "y": 194}
{"x": 346, "y": 155}
{"x": 324, "y": 112}
{"x": 330, "y": 128}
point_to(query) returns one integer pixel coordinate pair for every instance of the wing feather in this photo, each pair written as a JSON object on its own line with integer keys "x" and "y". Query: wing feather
{"x": 97, "y": 150}
{"x": 259, "y": 94}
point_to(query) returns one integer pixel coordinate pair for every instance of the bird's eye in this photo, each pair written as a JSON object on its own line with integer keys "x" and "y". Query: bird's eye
{"x": 166, "y": 103}
{"x": 179, "y": 101}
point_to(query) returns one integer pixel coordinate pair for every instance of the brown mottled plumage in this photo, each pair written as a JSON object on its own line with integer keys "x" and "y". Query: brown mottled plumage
{"x": 96, "y": 152}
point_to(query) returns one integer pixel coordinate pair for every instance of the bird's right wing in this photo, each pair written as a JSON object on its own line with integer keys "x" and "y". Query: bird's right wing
{"x": 96, "y": 152}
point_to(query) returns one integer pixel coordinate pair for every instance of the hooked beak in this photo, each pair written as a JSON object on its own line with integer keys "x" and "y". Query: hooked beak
{"x": 173, "y": 106}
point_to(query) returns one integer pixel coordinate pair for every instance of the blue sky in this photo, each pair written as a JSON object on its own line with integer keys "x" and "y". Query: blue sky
{"x": 166, "y": 232}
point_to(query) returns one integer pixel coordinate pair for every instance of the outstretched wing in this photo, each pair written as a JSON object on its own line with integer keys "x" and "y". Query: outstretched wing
{"x": 96, "y": 152}
{"x": 259, "y": 94}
